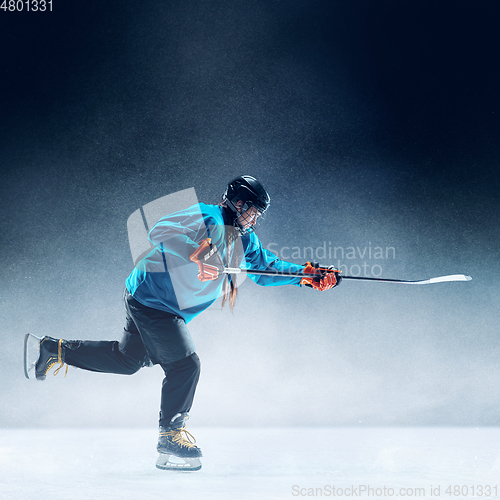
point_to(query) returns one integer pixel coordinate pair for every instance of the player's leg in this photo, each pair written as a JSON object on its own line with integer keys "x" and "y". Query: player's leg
{"x": 169, "y": 344}
{"x": 124, "y": 357}
{"x": 175, "y": 444}
{"x": 178, "y": 388}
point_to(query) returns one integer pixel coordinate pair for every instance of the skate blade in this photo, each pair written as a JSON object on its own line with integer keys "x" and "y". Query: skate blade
{"x": 172, "y": 462}
{"x": 31, "y": 354}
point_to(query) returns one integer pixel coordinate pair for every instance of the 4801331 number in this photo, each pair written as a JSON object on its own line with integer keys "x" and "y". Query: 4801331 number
{"x": 474, "y": 490}
{"x": 27, "y": 5}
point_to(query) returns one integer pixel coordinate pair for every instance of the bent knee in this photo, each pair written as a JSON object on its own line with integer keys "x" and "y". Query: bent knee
{"x": 195, "y": 360}
{"x": 131, "y": 369}
{"x": 191, "y": 364}
{"x": 131, "y": 365}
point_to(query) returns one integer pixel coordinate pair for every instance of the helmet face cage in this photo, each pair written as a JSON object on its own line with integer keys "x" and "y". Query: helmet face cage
{"x": 251, "y": 193}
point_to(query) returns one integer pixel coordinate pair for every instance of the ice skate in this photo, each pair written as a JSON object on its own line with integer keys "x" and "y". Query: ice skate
{"x": 40, "y": 355}
{"x": 31, "y": 354}
{"x": 177, "y": 447}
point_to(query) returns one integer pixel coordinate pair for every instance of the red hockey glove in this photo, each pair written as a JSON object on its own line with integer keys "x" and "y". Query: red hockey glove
{"x": 327, "y": 278}
{"x": 208, "y": 260}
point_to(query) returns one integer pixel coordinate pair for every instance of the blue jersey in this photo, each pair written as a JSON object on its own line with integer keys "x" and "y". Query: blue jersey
{"x": 167, "y": 280}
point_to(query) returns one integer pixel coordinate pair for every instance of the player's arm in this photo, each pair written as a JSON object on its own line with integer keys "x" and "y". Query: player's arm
{"x": 258, "y": 257}
{"x": 209, "y": 262}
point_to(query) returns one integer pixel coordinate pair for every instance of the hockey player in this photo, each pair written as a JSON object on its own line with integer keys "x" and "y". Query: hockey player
{"x": 181, "y": 277}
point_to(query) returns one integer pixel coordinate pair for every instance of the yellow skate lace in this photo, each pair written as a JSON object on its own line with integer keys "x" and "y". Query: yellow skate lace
{"x": 59, "y": 360}
{"x": 181, "y": 437}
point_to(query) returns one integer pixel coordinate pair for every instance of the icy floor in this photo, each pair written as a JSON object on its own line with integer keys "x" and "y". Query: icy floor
{"x": 252, "y": 464}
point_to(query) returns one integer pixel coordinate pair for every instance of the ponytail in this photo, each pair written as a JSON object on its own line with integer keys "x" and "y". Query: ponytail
{"x": 230, "y": 283}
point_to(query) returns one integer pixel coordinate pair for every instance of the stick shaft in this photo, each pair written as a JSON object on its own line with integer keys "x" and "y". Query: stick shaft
{"x": 258, "y": 272}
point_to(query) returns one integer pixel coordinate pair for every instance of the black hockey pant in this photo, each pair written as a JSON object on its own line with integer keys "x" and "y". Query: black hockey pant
{"x": 150, "y": 335}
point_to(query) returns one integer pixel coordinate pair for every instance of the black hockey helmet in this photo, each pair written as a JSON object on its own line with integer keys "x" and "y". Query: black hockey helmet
{"x": 250, "y": 191}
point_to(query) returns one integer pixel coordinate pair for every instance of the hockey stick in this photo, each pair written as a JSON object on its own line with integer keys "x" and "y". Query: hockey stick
{"x": 439, "y": 279}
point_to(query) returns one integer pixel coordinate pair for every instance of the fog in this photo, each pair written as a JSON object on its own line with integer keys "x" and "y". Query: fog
{"x": 363, "y": 353}
{"x": 364, "y": 135}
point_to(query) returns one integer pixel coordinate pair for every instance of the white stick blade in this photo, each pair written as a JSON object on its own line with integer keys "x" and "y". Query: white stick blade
{"x": 451, "y": 277}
